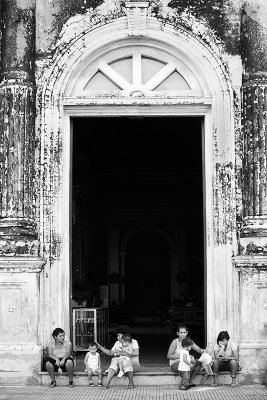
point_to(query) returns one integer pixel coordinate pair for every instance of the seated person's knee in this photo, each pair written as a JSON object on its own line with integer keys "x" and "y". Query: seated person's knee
{"x": 126, "y": 363}
{"x": 49, "y": 365}
{"x": 69, "y": 363}
{"x": 193, "y": 361}
{"x": 233, "y": 362}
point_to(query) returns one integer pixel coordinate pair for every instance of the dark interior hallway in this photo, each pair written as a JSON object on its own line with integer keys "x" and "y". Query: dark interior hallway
{"x": 142, "y": 179}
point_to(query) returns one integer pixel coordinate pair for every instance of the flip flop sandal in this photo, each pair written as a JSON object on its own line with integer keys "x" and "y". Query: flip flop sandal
{"x": 129, "y": 387}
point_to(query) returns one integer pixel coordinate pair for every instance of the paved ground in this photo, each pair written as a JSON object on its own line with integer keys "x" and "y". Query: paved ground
{"x": 255, "y": 392}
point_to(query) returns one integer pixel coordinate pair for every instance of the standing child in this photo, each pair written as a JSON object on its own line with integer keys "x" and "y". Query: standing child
{"x": 185, "y": 363}
{"x": 92, "y": 364}
{"x": 127, "y": 348}
{"x": 207, "y": 360}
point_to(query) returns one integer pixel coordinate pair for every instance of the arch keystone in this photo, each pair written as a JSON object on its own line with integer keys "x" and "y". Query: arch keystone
{"x": 136, "y": 16}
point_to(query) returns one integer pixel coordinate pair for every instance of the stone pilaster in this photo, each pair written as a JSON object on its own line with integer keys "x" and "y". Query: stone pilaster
{"x": 17, "y": 129}
{"x": 251, "y": 263}
{"x": 254, "y": 122}
{"x": 254, "y": 231}
{"x": 20, "y": 265}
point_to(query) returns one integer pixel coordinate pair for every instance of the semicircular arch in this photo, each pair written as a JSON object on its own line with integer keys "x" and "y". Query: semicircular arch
{"x": 128, "y": 235}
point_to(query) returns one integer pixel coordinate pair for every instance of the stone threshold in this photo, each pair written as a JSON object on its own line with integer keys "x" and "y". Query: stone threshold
{"x": 143, "y": 378}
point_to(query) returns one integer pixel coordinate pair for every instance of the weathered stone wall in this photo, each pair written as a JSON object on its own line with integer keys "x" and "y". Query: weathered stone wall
{"x": 223, "y": 16}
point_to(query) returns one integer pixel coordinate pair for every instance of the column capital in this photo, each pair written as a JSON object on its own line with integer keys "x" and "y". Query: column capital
{"x": 18, "y": 237}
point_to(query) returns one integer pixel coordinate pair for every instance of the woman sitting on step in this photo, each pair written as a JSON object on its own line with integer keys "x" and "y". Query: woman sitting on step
{"x": 130, "y": 363}
{"x": 59, "y": 359}
{"x": 174, "y": 354}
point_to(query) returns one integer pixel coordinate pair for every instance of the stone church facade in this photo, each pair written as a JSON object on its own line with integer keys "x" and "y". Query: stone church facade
{"x": 53, "y": 56}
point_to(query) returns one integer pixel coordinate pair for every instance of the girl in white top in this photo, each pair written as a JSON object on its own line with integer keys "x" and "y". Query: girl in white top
{"x": 127, "y": 348}
{"x": 185, "y": 363}
{"x": 92, "y": 364}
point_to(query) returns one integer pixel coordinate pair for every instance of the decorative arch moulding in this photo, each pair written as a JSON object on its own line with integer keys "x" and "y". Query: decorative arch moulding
{"x": 79, "y": 27}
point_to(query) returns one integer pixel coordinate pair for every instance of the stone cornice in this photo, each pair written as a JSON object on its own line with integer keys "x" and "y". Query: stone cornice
{"x": 21, "y": 264}
{"x": 19, "y": 347}
{"x": 250, "y": 261}
{"x": 255, "y": 82}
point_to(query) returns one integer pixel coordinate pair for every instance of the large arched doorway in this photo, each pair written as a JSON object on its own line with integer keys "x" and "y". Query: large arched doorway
{"x": 108, "y": 73}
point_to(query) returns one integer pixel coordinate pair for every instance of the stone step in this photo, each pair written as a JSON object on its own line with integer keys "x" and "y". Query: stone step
{"x": 140, "y": 379}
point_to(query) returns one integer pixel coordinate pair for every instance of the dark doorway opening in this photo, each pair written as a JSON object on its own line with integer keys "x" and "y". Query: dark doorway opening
{"x": 138, "y": 224}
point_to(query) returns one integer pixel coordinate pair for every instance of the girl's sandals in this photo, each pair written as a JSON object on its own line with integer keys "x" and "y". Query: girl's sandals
{"x": 53, "y": 384}
{"x": 129, "y": 387}
{"x": 106, "y": 387}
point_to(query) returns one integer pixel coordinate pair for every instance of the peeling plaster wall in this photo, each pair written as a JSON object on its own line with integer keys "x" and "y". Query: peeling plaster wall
{"x": 254, "y": 39}
{"x": 223, "y": 16}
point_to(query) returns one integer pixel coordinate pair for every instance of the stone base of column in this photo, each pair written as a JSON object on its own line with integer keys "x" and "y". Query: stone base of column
{"x": 253, "y": 236}
{"x": 20, "y": 363}
{"x": 20, "y": 318}
{"x": 18, "y": 237}
{"x": 252, "y": 360}
{"x": 252, "y": 316}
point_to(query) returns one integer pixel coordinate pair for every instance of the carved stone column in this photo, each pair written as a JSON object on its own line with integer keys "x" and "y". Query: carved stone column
{"x": 20, "y": 266}
{"x": 17, "y": 129}
{"x": 254, "y": 122}
{"x": 252, "y": 260}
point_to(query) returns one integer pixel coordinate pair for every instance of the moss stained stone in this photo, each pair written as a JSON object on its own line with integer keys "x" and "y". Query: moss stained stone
{"x": 221, "y": 15}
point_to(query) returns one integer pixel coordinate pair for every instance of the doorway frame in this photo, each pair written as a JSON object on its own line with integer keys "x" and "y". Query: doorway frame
{"x": 70, "y": 112}
{"x": 217, "y": 108}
